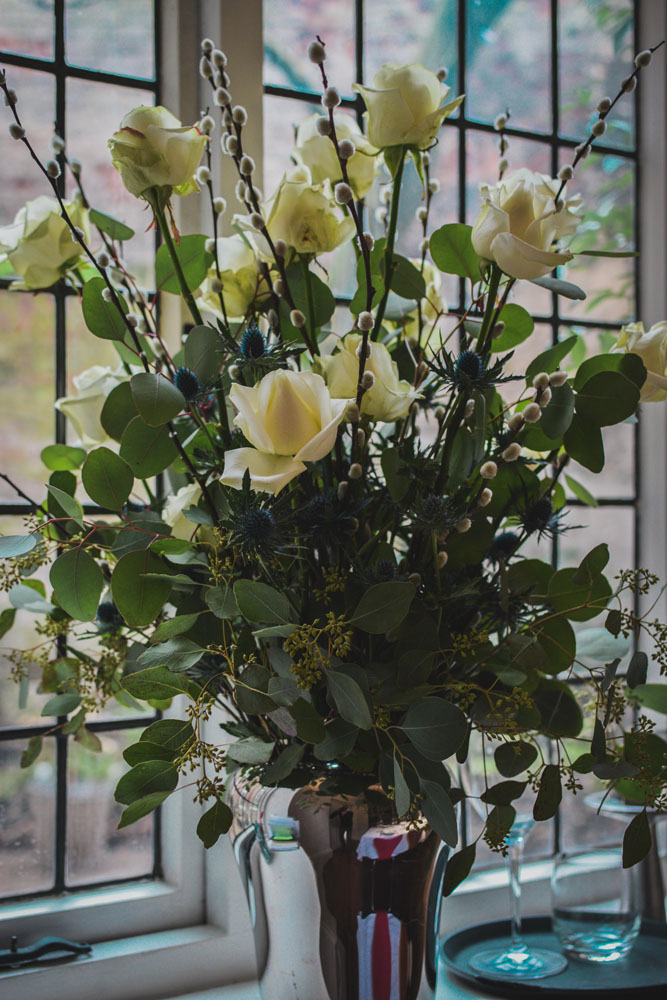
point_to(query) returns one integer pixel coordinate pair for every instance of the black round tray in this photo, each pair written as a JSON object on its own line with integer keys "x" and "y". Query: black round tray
{"x": 641, "y": 973}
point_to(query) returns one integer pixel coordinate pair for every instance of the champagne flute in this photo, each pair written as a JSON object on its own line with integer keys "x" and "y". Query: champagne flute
{"x": 516, "y": 961}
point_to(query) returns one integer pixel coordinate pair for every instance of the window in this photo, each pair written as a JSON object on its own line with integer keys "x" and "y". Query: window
{"x": 551, "y": 60}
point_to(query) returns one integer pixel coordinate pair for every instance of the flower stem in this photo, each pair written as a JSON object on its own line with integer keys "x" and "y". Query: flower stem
{"x": 391, "y": 237}
{"x": 305, "y": 270}
{"x": 171, "y": 250}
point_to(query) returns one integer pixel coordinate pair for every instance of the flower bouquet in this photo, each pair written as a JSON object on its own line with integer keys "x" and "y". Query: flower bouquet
{"x": 340, "y": 554}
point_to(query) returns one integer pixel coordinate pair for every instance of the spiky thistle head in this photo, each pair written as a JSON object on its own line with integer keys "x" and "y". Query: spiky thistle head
{"x": 503, "y": 546}
{"x": 187, "y": 382}
{"x": 256, "y": 527}
{"x": 467, "y": 368}
{"x": 253, "y": 344}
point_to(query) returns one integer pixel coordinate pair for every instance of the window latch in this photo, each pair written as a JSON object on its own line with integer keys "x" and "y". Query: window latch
{"x": 48, "y": 949}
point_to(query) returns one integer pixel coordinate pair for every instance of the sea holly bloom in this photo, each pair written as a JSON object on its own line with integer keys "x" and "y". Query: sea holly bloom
{"x": 317, "y": 152}
{"x": 38, "y": 244}
{"x": 153, "y": 150}
{"x": 289, "y": 418}
{"x": 405, "y": 106}
{"x": 651, "y": 347}
{"x": 519, "y": 224}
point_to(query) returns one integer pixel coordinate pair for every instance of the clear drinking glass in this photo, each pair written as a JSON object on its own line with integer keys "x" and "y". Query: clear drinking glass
{"x": 597, "y": 905}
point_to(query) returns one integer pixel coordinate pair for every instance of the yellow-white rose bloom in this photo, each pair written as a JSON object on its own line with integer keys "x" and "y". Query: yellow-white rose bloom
{"x": 174, "y": 507}
{"x": 433, "y": 307}
{"x": 652, "y": 349}
{"x": 317, "y": 152}
{"x": 84, "y": 409}
{"x": 151, "y": 149}
{"x": 518, "y": 224}
{"x": 290, "y": 418}
{"x": 303, "y": 215}
{"x": 388, "y": 399}
{"x": 242, "y": 283}
{"x": 405, "y": 106}
{"x": 38, "y": 244}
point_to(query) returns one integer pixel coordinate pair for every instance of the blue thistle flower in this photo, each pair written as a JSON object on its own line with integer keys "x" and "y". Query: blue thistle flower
{"x": 256, "y": 527}
{"x": 385, "y": 570}
{"x": 468, "y": 367}
{"x": 253, "y": 344}
{"x": 432, "y": 507}
{"x": 108, "y": 616}
{"x": 503, "y": 545}
{"x": 187, "y": 383}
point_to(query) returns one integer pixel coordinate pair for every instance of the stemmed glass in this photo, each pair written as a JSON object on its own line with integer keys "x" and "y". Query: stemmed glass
{"x": 517, "y": 960}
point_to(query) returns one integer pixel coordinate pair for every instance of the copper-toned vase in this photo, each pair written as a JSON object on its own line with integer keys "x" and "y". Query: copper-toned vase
{"x": 344, "y": 898}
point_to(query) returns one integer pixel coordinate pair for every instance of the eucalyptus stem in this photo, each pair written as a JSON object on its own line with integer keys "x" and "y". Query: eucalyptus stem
{"x": 171, "y": 250}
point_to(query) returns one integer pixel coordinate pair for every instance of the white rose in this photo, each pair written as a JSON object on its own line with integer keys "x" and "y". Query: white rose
{"x": 317, "y": 152}
{"x": 151, "y": 149}
{"x": 173, "y": 511}
{"x": 39, "y": 245}
{"x": 518, "y": 224}
{"x": 433, "y": 307}
{"x": 388, "y": 399}
{"x": 84, "y": 409}
{"x": 652, "y": 349}
{"x": 242, "y": 281}
{"x": 290, "y": 418}
{"x": 303, "y": 215}
{"x": 405, "y": 106}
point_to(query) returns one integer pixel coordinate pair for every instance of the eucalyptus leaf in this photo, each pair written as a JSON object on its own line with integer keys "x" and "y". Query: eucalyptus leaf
{"x": 458, "y": 868}
{"x": 383, "y": 607}
{"x": 435, "y": 727}
{"x": 147, "y": 450}
{"x": 402, "y": 795}
{"x": 258, "y": 602}
{"x": 142, "y": 807}
{"x": 215, "y": 821}
{"x": 193, "y": 258}
{"x": 78, "y": 583}
{"x": 156, "y": 398}
{"x": 439, "y": 811}
{"x": 452, "y": 251}
{"x": 549, "y": 794}
{"x": 636, "y": 840}
{"x": 107, "y": 478}
{"x": 349, "y": 699}
{"x": 103, "y": 319}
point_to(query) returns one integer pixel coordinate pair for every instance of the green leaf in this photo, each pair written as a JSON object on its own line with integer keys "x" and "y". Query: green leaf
{"x": 578, "y": 601}
{"x": 637, "y": 670}
{"x": 435, "y": 727}
{"x": 215, "y": 821}
{"x": 78, "y": 583}
{"x": 558, "y": 641}
{"x": 458, "y": 868}
{"x": 652, "y": 696}
{"x": 407, "y": 281}
{"x": 222, "y": 602}
{"x": 251, "y": 690}
{"x": 607, "y": 398}
{"x": 12, "y": 546}
{"x": 439, "y": 811}
{"x": 402, "y": 795}
{"x": 204, "y": 353}
{"x": 61, "y": 704}
{"x": 559, "y": 710}
{"x": 514, "y": 757}
{"x": 174, "y": 626}
{"x": 101, "y": 317}
{"x": 339, "y": 739}
{"x": 583, "y": 443}
{"x": 250, "y": 751}
{"x": 192, "y": 257}
{"x": 118, "y": 410}
{"x": 32, "y": 751}
{"x": 383, "y": 607}
{"x": 349, "y": 699}
{"x": 158, "y": 683}
{"x": 172, "y": 734}
{"x": 565, "y": 288}
{"x": 309, "y": 722}
{"x": 324, "y": 302}
{"x": 504, "y": 793}
{"x": 592, "y": 565}
{"x": 147, "y": 450}
{"x": 112, "y": 227}
{"x": 258, "y": 602}
{"x": 176, "y": 654}
{"x": 138, "y": 597}
{"x": 58, "y": 457}
{"x": 452, "y": 251}
{"x": 284, "y": 691}
{"x": 549, "y": 794}
{"x": 26, "y": 598}
{"x": 557, "y": 415}
{"x": 519, "y": 325}
{"x": 283, "y": 766}
{"x": 581, "y": 492}
{"x": 140, "y": 808}
{"x": 549, "y": 360}
{"x": 613, "y": 622}
{"x": 107, "y": 478}
{"x": 7, "y": 616}
{"x": 156, "y": 398}
{"x": 629, "y": 365}
{"x": 636, "y": 840}
{"x": 71, "y": 507}
{"x": 90, "y": 741}
{"x": 396, "y": 473}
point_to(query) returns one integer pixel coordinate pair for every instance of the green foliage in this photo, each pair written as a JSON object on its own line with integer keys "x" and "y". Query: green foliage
{"x": 156, "y": 398}
{"x": 101, "y": 317}
{"x": 59, "y": 457}
{"x": 147, "y": 450}
{"x": 452, "y": 251}
{"x": 77, "y": 582}
{"x": 192, "y": 257}
{"x": 215, "y": 821}
{"x": 435, "y": 727}
{"x": 383, "y": 606}
{"x": 139, "y": 598}
{"x": 107, "y": 478}
{"x": 112, "y": 227}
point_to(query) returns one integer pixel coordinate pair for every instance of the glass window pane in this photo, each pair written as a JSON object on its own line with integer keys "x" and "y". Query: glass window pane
{"x": 589, "y": 527}
{"x": 91, "y": 24}
{"x": 27, "y": 820}
{"x": 405, "y": 31}
{"x": 282, "y": 117}
{"x": 21, "y": 178}
{"x": 507, "y": 62}
{"x": 606, "y": 184}
{"x": 596, "y": 48}
{"x": 94, "y": 112}
{"x": 26, "y": 412}
{"x": 482, "y": 163}
{"x": 96, "y": 849}
{"x": 617, "y": 477}
{"x": 290, "y": 27}
{"x": 27, "y": 28}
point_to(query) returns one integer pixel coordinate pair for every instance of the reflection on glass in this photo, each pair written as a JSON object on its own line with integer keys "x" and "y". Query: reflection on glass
{"x": 90, "y": 24}
{"x": 94, "y": 112}
{"x": 290, "y": 27}
{"x": 96, "y": 849}
{"x": 405, "y": 31}
{"x": 27, "y": 27}
{"x": 596, "y": 49}
{"x": 27, "y": 390}
{"x": 27, "y": 820}
{"x": 509, "y": 40}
